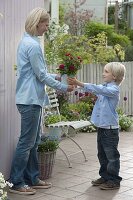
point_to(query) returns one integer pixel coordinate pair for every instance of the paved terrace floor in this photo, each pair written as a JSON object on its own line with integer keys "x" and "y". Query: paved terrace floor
{"x": 75, "y": 183}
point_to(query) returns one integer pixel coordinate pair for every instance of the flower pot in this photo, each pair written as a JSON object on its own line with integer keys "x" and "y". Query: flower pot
{"x": 64, "y": 79}
{"x": 46, "y": 162}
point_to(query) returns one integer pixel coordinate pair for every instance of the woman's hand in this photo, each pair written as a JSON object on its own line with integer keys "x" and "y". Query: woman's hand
{"x": 72, "y": 81}
{"x": 58, "y": 77}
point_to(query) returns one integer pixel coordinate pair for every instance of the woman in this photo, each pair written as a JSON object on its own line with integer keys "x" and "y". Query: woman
{"x": 30, "y": 96}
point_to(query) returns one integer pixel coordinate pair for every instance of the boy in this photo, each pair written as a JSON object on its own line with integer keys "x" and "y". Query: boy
{"x": 105, "y": 118}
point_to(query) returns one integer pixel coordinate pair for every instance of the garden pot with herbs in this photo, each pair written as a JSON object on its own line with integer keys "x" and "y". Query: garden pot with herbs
{"x": 46, "y": 157}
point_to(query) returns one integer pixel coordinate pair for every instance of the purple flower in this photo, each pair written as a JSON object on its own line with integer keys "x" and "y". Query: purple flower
{"x": 125, "y": 98}
{"x": 76, "y": 93}
{"x": 86, "y": 93}
{"x": 80, "y": 94}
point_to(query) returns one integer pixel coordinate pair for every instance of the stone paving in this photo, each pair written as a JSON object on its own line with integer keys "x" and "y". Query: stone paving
{"x": 75, "y": 183}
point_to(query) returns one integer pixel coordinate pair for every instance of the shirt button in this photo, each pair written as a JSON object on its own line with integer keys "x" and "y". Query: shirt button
{"x": 97, "y": 115}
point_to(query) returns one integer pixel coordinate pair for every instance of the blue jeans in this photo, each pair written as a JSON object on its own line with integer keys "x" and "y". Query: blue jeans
{"x": 24, "y": 168}
{"x": 108, "y": 154}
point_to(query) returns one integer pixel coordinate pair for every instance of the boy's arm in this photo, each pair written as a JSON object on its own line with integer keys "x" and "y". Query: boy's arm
{"x": 102, "y": 90}
{"x": 96, "y": 89}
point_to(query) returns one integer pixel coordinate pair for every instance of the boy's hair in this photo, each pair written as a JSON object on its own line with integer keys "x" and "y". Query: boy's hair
{"x": 35, "y": 16}
{"x": 118, "y": 70}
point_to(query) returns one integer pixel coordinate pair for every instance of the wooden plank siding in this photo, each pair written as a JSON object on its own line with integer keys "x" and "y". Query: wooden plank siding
{"x": 93, "y": 73}
{"x": 11, "y": 30}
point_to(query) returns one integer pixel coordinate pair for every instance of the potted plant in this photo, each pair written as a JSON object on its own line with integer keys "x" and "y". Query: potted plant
{"x": 46, "y": 157}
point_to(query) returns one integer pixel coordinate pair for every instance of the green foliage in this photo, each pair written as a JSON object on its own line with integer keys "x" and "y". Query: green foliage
{"x": 122, "y": 23}
{"x": 122, "y": 40}
{"x": 129, "y": 33}
{"x": 111, "y": 16}
{"x": 93, "y": 50}
{"x": 129, "y": 53}
{"x": 125, "y": 122}
{"x": 61, "y": 14}
{"x": 94, "y": 28}
{"x": 48, "y": 145}
{"x": 82, "y": 108}
{"x": 51, "y": 119}
{"x": 69, "y": 114}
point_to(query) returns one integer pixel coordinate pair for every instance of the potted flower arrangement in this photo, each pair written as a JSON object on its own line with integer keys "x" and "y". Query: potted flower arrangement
{"x": 70, "y": 66}
{"x": 46, "y": 157}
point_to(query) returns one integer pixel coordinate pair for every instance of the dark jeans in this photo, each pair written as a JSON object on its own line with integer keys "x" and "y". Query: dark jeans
{"x": 108, "y": 154}
{"x": 24, "y": 168}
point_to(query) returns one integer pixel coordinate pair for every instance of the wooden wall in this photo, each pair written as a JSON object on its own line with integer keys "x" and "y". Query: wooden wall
{"x": 11, "y": 29}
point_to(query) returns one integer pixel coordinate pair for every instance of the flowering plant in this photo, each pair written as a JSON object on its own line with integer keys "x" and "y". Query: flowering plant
{"x": 55, "y": 30}
{"x": 3, "y": 184}
{"x": 71, "y": 64}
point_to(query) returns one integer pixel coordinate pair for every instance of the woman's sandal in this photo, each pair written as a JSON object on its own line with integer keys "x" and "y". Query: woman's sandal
{"x": 42, "y": 185}
{"x": 24, "y": 190}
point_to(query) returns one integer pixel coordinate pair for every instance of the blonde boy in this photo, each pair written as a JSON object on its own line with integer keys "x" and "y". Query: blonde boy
{"x": 105, "y": 118}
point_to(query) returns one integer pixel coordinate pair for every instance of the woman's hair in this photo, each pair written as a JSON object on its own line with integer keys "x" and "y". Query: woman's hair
{"x": 118, "y": 70}
{"x": 35, "y": 16}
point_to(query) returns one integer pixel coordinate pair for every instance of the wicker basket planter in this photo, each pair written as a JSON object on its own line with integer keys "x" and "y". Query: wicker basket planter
{"x": 46, "y": 162}
{"x": 46, "y": 157}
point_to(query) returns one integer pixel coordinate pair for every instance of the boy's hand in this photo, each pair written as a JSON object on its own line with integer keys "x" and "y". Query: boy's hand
{"x": 74, "y": 81}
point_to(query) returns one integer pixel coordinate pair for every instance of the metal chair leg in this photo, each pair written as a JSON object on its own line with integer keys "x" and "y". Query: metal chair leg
{"x": 78, "y": 147}
{"x": 69, "y": 164}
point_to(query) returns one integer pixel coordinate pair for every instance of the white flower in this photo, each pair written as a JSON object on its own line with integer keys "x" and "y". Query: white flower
{"x": 55, "y": 30}
{"x": 3, "y": 184}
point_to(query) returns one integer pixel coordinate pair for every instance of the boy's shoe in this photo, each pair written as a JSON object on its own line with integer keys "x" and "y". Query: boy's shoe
{"x": 109, "y": 185}
{"x": 24, "y": 190}
{"x": 42, "y": 185}
{"x": 98, "y": 181}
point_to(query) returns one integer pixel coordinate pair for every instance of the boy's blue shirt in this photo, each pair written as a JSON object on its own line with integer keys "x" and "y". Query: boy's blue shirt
{"x": 32, "y": 73}
{"x": 104, "y": 112}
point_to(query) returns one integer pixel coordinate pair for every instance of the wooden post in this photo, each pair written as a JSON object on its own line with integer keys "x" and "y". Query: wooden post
{"x": 55, "y": 10}
{"x": 116, "y": 15}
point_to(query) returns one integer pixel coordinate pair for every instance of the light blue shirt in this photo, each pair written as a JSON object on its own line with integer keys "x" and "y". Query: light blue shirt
{"x": 32, "y": 73}
{"x": 104, "y": 112}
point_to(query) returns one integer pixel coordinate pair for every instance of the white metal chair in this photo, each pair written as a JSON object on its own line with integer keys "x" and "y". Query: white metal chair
{"x": 64, "y": 126}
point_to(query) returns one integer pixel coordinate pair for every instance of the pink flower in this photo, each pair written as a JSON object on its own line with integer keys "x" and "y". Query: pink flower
{"x": 86, "y": 93}
{"x": 80, "y": 58}
{"x": 80, "y": 94}
{"x": 67, "y": 54}
{"x": 71, "y": 68}
{"x": 61, "y": 66}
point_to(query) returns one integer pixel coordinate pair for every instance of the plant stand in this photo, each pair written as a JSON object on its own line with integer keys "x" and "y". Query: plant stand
{"x": 46, "y": 162}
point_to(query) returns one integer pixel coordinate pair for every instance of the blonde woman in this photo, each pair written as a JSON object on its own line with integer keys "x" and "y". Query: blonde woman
{"x": 105, "y": 118}
{"x": 30, "y": 96}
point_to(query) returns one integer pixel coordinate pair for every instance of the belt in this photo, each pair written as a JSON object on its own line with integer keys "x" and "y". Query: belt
{"x": 110, "y": 127}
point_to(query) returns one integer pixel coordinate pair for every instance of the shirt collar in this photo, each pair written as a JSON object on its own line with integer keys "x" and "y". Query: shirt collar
{"x": 111, "y": 83}
{"x": 34, "y": 37}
